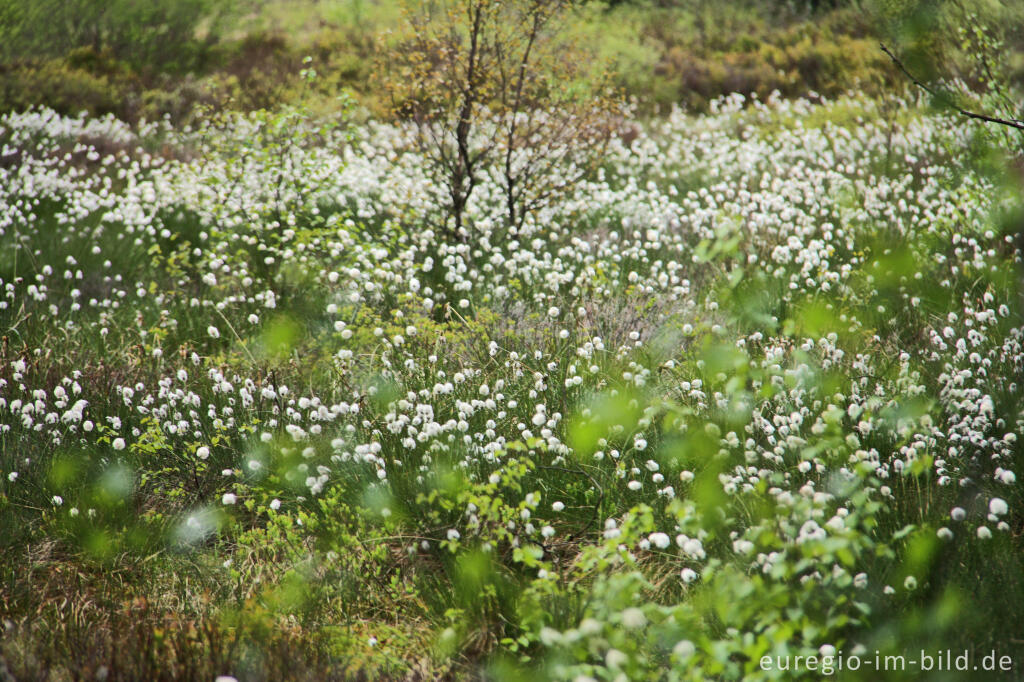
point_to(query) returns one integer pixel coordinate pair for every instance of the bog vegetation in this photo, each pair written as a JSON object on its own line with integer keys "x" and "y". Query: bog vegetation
{"x": 159, "y": 57}
{"x": 510, "y": 380}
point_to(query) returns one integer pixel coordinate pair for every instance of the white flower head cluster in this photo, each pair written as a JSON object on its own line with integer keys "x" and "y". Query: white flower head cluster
{"x": 605, "y": 291}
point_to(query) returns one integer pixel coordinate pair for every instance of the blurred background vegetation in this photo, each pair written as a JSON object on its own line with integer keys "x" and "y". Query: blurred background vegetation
{"x": 160, "y": 57}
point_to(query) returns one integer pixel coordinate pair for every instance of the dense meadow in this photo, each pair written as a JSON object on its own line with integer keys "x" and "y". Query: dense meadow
{"x": 752, "y": 388}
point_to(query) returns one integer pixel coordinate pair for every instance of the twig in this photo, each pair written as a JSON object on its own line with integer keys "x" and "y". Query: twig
{"x": 1019, "y": 125}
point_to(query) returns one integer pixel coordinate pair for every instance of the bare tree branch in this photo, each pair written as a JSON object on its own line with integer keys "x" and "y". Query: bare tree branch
{"x": 1019, "y": 125}
{"x": 494, "y": 88}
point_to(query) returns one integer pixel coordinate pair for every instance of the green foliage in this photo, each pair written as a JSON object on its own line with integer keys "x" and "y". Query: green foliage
{"x": 156, "y": 34}
{"x": 678, "y": 54}
{"x": 66, "y": 85}
{"x": 966, "y": 55}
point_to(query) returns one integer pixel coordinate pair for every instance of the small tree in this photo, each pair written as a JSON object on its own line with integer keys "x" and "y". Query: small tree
{"x": 492, "y": 86}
